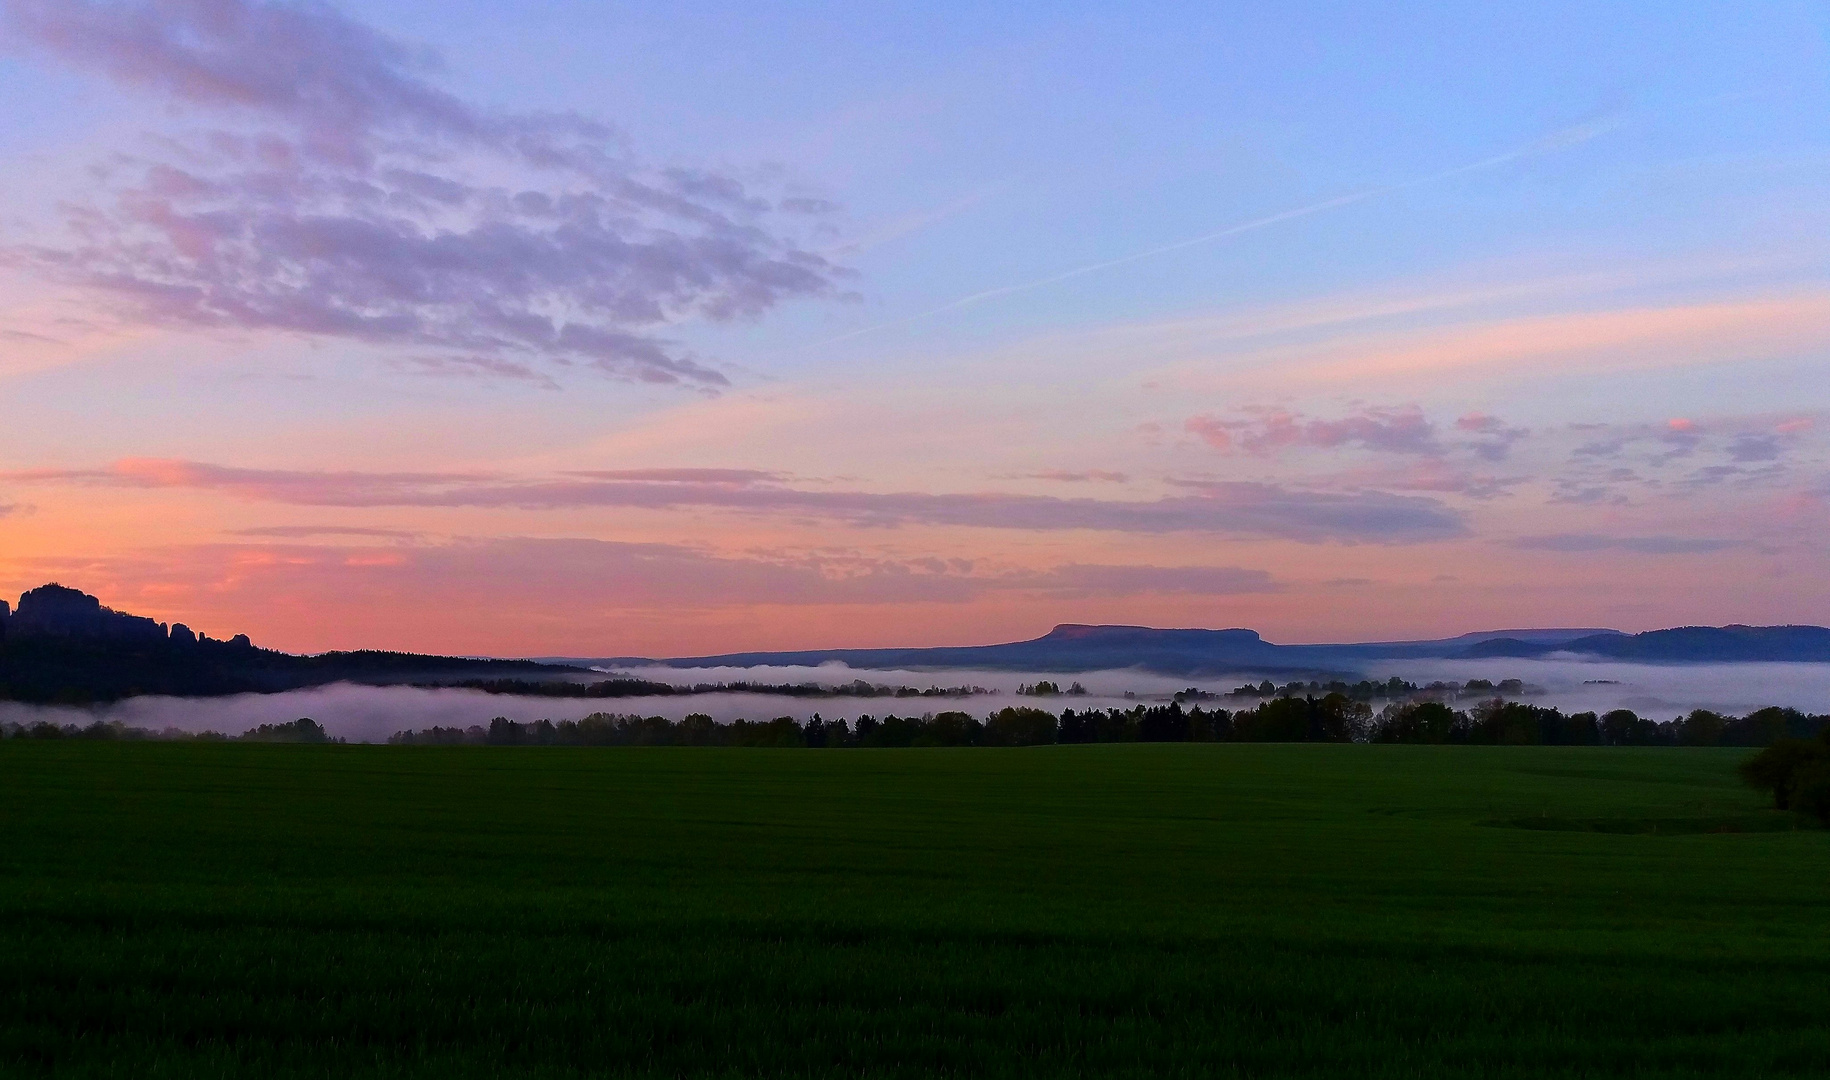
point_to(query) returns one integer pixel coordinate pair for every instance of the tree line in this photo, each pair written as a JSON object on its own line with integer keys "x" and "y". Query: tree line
{"x": 1331, "y": 718}
{"x": 302, "y": 730}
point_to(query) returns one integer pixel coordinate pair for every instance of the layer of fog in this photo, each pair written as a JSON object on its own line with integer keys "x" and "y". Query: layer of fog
{"x": 372, "y": 713}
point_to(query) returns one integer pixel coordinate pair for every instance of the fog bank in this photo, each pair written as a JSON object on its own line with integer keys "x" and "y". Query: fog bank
{"x": 372, "y": 713}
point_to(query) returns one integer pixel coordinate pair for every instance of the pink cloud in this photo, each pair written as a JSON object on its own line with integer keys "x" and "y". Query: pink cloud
{"x": 1634, "y": 337}
{"x": 1211, "y": 430}
{"x": 1233, "y": 509}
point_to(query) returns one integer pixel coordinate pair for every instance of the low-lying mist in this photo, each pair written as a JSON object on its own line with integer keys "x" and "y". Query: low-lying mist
{"x": 372, "y": 713}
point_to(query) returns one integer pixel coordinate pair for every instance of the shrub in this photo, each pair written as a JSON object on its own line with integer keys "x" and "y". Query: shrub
{"x": 1810, "y": 792}
{"x": 1777, "y": 768}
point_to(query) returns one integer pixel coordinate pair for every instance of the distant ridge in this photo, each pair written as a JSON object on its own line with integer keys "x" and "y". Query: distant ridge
{"x": 1682, "y": 645}
{"x": 1069, "y": 647}
{"x": 1074, "y": 647}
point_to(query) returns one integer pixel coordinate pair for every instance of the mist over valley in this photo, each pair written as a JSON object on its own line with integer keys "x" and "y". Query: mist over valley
{"x": 367, "y": 713}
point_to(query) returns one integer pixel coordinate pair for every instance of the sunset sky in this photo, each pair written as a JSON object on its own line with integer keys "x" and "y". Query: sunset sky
{"x": 564, "y": 327}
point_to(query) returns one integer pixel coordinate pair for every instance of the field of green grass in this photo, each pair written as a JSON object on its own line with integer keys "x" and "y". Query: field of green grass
{"x": 191, "y": 910}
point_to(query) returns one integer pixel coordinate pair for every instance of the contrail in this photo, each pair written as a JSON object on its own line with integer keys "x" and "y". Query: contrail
{"x": 1561, "y": 139}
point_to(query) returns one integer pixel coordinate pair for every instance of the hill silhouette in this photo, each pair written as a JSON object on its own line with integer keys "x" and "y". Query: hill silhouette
{"x": 1683, "y": 645}
{"x": 63, "y": 646}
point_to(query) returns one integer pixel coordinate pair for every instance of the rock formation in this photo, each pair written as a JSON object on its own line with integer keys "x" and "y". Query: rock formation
{"x": 56, "y": 611}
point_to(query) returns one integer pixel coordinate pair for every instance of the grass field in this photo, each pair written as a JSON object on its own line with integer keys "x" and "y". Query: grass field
{"x": 191, "y": 910}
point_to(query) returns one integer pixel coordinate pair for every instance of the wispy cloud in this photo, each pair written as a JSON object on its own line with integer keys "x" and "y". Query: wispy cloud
{"x": 1435, "y": 462}
{"x": 1219, "y": 507}
{"x": 346, "y": 195}
{"x": 564, "y": 577}
{"x": 1402, "y": 430}
{"x": 1497, "y": 438}
{"x": 737, "y": 477}
{"x": 1434, "y": 475}
{"x": 1635, "y": 337}
{"x": 301, "y": 532}
{"x": 1683, "y": 455}
{"x": 1574, "y": 543}
{"x": 1083, "y": 476}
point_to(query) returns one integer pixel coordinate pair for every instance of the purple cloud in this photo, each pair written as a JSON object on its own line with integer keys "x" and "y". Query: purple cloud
{"x": 1402, "y": 430}
{"x": 1081, "y": 477}
{"x": 1393, "y": 431}
{"x": 1577, "y": 493}
{"x": 1221, "y": 508}
{"x": 1638, "y": 545}
{"x": 1754, "y": 448}
{"x": 1429, "y": 474}
{"x": 1685, "y": 455}
{"x": 347, "y": 196}
{"x": 1500, "y": 438}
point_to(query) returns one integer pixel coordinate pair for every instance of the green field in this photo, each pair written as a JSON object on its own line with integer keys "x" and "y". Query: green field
{"x": 192, "y": 910}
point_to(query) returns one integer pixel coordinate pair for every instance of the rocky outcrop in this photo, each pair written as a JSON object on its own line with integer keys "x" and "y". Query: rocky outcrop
{"x": 56, "y": 611}
{"x": 62, "y": 646}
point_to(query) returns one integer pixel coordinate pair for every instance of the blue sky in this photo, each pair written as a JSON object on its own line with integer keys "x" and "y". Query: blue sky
{"x": 1599, "y": 226}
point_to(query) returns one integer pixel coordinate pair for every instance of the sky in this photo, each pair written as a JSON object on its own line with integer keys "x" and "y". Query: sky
{"x": 566, "y": 328}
